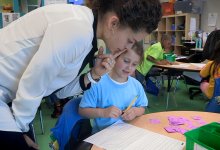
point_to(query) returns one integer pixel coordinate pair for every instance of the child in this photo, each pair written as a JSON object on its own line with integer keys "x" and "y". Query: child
{"x": 211, "y": 71}
{"x": 107, "y": 100}
{"x": 154, "y": 55}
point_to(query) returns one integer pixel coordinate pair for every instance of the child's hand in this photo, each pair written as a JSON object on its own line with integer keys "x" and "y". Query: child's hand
{"x": 30, "y": 142}
{"x": 112, "y": 112}
{"x": 164, "y": 62}
{"x": 175, "y": 63}
{"x": 129, "y": 114}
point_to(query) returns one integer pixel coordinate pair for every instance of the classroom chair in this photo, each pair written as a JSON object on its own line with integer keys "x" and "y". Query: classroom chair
{"x": 31, "y": 133}
{"x": 195, "y": 89}
{"x": 156, "y": 75}
{"x": 71, "y": 128}
{"x": 152, "y": 81}
{"x": 31, "y": 126}
{"x": 214, "y": 103}
{"x": 41, "y": 119}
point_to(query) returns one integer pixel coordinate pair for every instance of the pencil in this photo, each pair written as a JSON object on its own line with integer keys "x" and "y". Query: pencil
{"x": 132, "y": 102}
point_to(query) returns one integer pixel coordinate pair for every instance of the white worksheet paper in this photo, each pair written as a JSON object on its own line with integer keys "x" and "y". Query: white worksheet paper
{"x": 123, "y": 136}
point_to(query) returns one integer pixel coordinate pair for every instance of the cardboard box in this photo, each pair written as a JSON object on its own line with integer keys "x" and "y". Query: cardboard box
{"x": 167, "y": 9}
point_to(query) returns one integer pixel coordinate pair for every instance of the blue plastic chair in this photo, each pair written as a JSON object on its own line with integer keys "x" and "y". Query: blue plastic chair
{"x": 214, "y": 103}
{"x": 68, "y": 130}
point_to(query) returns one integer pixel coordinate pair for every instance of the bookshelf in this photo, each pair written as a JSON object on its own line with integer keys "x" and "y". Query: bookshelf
{"x": 178, "y": 26}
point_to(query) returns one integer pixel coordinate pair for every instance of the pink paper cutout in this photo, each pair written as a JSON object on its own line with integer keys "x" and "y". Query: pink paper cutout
{"x": 196, "y": 118}
{"x": 170, "y": 129}
{"x": 174, "y": 129}
{"x": 176, "y": 120}
{"x": 190, "y": 127}
{"x": 202, "y": 122}
{"x": 154, "y": 121}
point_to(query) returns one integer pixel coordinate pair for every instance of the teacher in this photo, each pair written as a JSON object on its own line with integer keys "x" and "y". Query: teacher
{"x": 46, "y": 49}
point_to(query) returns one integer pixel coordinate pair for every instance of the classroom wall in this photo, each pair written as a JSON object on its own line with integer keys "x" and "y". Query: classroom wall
{"x": 210, "y": 6}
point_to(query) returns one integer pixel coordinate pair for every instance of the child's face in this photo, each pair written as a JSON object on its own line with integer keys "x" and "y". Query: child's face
{"x": 167, "y": 44}
{"x": 126, "y": 64}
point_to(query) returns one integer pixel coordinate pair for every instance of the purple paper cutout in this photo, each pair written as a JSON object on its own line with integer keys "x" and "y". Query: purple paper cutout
{"x": 175, "y": 123}
{"x": 176, "y": 120}
{"x": 202, "y": 122}
{"x": 181, "y": 130}
{"x": 190, "y": 127}
{"x": 154, "y": 121}
{"x": 196, "y": 118}
{"x": 174, "y": 129}
{"x": 170, "y": 129}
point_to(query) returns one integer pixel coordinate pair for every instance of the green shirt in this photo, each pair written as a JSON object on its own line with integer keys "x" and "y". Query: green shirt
{"x": 155, "y": 51}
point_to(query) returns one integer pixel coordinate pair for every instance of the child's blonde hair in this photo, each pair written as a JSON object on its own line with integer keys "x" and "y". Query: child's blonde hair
{"x": 138, "y": 49}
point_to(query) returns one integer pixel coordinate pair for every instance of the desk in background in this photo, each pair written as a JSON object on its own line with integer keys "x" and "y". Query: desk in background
{"x": 145, "y": 123}
{"x": 190, "y": 67}
{"x": 180, "y": 66}
{"x": 188, "y": 48}
{"x": 197, "y": 49}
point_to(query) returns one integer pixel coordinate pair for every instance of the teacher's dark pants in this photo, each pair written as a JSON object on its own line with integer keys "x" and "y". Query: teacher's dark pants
{"x": 13, "y": 141}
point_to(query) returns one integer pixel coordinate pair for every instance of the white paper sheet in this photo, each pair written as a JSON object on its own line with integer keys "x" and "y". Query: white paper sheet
{"x": 212, "y": 19}
{"x": 192, "y": 24}
{"x": 123, "y": 136}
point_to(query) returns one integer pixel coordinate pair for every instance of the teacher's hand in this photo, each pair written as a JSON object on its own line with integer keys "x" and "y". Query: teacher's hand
{"x": 30, "y": 142}
{"x": 104, "y": 63}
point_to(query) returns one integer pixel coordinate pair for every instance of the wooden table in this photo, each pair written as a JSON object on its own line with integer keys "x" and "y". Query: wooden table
{"x": 191, "y": 67}
{"x": 197, "y": 49}
{"x": 144, "y": 122}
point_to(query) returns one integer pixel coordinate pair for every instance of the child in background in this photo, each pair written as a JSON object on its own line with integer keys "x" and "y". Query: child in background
{"x": 106, "y": 104}
{"x": 211, "y": 71}
{"x": 154, "y": 55}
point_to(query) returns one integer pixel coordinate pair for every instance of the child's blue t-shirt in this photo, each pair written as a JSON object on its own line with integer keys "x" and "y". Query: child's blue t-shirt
{"x": 107, "y": 93}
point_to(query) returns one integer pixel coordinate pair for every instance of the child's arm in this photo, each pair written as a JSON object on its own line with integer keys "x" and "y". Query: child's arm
{"x": 110, "y": 112}
{"x": 205, "y": 72}
{"x": 133, "y": 113}
{"x": 159, "y": 62}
